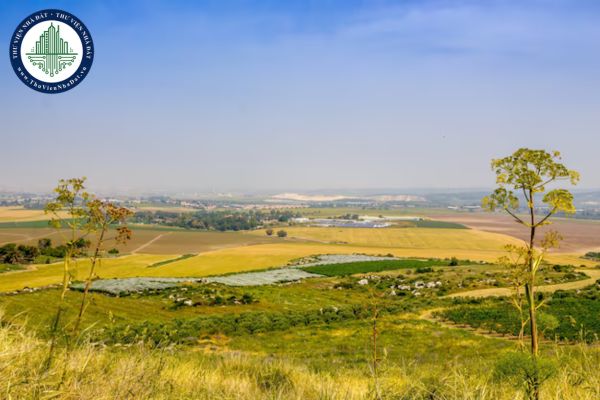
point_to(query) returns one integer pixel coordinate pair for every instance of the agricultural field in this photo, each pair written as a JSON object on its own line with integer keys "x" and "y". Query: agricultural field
{"x": 568, "y": 315}
{"x": 579, "y": 236}
{"x": 405, "y": 238}
{"x": 284, "y": 298}
{"x": 20, "y": 214}
{"x": 229, "y": 252}
{"x": 313, "y": 323}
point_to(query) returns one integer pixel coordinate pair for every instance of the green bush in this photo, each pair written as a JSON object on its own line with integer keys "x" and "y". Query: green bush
{"x": 281, "y": 233}
{"x": 423, "y": 270}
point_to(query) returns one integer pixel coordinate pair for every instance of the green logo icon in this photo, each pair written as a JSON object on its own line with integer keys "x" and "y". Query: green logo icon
{"x": 51, "y": 53}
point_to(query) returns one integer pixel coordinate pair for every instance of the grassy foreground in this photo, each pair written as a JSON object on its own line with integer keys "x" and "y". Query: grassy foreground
{"x": 181, "y": 373}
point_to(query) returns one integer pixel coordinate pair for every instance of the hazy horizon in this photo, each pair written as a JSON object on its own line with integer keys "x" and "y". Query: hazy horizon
{"x": 296, "y": 96}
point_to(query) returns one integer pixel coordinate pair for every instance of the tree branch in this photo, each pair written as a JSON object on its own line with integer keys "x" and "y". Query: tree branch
{"x": 551, "y": 213}
{"x": 519, "y": 220}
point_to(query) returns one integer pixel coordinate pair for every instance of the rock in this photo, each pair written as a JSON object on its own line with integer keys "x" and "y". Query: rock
{"x": 363, "y": 282}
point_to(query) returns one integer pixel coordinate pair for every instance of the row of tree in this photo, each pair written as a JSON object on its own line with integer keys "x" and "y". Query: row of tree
{"x": 215, "y": 220}
{"x": 13, "y": 253}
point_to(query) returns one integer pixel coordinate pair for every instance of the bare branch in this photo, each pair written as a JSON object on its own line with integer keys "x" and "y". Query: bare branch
{"x": 551, "y": 213}
{"x": 519, "y": 220}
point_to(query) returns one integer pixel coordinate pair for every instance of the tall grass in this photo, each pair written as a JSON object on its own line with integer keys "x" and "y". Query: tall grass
{"x": 138, "y": 372}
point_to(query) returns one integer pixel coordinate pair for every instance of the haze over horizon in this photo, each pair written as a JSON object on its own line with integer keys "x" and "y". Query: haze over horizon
{"x": 296, "y": 96}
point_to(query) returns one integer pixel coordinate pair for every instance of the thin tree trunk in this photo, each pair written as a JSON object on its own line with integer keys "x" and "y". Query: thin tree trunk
{"x": 530, "y": 292}
{"x": 532, "y": 320}
{"x": 88, "y": 282}
{"x": 59, "y": 311}
{"x": 375, "y": 365}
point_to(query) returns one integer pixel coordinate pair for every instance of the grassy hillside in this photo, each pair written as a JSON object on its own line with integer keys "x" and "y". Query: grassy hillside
{"x": 424, "y": 361}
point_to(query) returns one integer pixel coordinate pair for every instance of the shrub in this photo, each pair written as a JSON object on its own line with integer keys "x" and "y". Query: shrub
{"x": 562, "y": 268}
{"x": 269, "y": 232}
{"x": 281, "y": 233}
{"x": 423, "y": 270}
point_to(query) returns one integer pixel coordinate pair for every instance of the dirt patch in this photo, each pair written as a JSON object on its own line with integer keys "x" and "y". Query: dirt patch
{"x": 580, "y": 236}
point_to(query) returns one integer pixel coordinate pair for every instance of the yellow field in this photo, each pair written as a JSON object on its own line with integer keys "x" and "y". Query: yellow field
{"x": 405, "y": 238}
{"x": 42, "y": 275}
{"x": 12, "y": 214}
{"x": 20, "y": 214}
{"x": 302, "y": 242}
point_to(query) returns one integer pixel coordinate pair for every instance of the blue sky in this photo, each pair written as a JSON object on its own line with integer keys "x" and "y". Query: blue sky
{"x": 297, "y": 95}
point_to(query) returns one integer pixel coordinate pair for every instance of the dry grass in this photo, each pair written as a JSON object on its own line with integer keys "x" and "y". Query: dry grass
{"x": 140, "y": 373}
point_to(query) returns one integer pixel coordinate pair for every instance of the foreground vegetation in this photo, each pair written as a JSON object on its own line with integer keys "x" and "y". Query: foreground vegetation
{"x": 423, "y": 362}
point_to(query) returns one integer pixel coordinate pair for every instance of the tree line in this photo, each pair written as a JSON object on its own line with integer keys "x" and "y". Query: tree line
{"x": 15, "y": 254}
{"x": 215, "y": 220}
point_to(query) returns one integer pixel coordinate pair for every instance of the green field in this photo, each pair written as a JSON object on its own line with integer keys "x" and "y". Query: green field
{"x": 372, "y": 266}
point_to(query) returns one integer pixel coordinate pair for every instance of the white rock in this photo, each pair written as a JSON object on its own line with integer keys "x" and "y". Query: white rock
{"x": 363, "y": 282}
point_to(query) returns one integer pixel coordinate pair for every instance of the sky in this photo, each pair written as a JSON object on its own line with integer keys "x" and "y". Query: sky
{"x": 307, "y": 95}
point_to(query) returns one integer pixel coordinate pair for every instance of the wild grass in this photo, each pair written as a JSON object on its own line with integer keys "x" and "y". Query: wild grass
{"x": 138, "y": 372}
